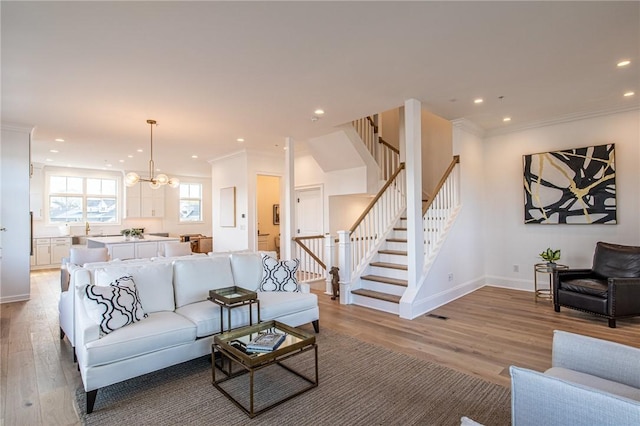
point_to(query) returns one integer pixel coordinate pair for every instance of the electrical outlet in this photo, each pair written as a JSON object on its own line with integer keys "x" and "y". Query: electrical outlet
{"x": 450, "y": 276}
{"x": 516, "y": 268}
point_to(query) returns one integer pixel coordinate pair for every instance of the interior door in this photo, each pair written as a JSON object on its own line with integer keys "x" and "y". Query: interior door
{"x": 309, "y": 212}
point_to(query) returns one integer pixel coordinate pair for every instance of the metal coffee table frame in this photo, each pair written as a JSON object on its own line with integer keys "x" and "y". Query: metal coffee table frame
{"x": 296, "y": 343}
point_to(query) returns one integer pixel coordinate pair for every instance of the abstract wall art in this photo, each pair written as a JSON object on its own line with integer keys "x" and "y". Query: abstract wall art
{"x": 574, "y": 186}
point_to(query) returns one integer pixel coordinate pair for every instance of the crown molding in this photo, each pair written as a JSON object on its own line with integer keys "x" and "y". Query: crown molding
{"x": 469, "y": 127}
{"x": 16, "y": 127}
{"x": 568, "y": 118}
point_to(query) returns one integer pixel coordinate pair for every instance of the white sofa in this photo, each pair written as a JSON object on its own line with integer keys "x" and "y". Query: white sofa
{"x": 181, "y": 321}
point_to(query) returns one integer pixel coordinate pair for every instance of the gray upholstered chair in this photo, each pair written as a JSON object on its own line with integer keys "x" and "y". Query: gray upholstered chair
{"x": 611, "y": 288}
{"x": 591, "y": 382}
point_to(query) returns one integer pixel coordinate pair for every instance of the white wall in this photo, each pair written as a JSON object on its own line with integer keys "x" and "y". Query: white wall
{"x": 510, "y": 242}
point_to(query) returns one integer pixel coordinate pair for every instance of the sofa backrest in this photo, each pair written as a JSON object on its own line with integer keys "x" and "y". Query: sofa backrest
{"x": 616, "y": 261}
{"x": 247, "y": 270}
{"x": 153, "y": 281}
{"x": 193, "y": 278}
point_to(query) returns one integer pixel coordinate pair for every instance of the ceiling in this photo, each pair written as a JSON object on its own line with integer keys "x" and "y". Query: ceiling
{"x": 92, "y": 73}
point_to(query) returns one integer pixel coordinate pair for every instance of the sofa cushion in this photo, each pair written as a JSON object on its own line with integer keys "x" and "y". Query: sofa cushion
{"x": 160, "y": 330}
{"x": 279, "y": 275}
{"x": 595, "y": 382}
{"x": 247, "y": 270}
{"x": 193, "y": 279}
{"x": 113, "y": 306}
{"x": 591, "y": 286}
{"x": 206, "y": 316}
{"x": 277, "y": 304}
{"x": 153, "y": 281}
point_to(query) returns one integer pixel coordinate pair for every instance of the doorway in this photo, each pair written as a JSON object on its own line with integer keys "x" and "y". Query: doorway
{"x": 268, "y": 212}
{"x": 309, "y": 211}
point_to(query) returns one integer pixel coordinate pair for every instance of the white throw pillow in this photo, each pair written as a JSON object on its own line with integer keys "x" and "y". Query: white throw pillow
{"x": 192, "y": 279}
{"x": 113, "y": 306}
{"x": 279, "y": 275}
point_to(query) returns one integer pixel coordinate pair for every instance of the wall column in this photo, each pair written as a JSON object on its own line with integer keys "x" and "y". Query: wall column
{"x": 287, "y": 212}
{"x": 413, "y": 162}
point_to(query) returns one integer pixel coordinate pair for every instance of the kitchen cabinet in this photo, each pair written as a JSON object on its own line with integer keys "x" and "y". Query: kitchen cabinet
{"x": 36, "y": 197}
{"x": 146, "y": 250}
{"x": 143, "y": 201}
{"x": 49, "y": 251}
{"x": 122, "y": 251}
{"x": 119, "y": 248}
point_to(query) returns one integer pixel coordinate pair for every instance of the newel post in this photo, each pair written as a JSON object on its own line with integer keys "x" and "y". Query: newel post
{"x": 329, "y": 259}
{"x": 344, "y": 262}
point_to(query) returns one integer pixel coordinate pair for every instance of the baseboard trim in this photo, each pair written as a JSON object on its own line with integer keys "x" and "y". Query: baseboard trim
{"x": 17, "y": 298}
{"x": 428, "y": 304}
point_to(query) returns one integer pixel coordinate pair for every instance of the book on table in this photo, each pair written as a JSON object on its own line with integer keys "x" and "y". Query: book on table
{"x": 265, "y": 342}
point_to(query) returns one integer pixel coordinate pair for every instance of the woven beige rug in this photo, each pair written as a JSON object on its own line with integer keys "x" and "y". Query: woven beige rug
{"x": 359, "y": 384}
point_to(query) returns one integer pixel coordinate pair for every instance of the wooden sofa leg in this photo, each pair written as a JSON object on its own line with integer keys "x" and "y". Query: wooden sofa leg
{"x": 612, "y": 323}
{"x": 316, "y": 326}
{"x": 91, "y": 399}
{"x": 61, "y": 333}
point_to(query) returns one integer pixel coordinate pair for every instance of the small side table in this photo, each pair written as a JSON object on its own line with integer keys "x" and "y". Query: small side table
{"x": 545, "y": 268}
{"x": 234, "y": 297}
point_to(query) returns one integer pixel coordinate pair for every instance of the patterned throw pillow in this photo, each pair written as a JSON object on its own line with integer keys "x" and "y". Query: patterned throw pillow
{"x": 115, "y": 305}
{"x": 279, "y": 275}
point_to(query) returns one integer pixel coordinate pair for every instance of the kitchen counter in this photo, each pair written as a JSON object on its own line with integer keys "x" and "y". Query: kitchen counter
{"x": 119, "y": 248}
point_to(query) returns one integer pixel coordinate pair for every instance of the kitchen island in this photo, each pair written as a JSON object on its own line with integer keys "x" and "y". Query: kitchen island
{"x": 119, "y": 248}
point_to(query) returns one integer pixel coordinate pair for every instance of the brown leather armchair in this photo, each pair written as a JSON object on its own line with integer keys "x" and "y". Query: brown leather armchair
{"x": 611, "y": 288}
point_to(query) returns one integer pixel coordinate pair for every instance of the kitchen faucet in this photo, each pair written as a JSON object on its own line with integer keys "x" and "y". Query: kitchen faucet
{"x": 86, "y": 228}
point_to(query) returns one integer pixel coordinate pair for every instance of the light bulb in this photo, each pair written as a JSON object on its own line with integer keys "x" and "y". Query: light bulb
{"x": 174, "y": 183}
{"x": 131, "y": 178}
{"x": 162, "y": 179}
{"x": 154, "y": 184}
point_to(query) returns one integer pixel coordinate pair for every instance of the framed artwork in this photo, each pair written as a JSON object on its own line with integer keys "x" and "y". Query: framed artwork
{"x": 276, "y": 214}
{"x": 575, "y": 186}
{"x": 228, "y": 207}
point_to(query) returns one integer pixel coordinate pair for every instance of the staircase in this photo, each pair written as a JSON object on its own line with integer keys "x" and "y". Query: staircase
{"x": 385, "y": 278}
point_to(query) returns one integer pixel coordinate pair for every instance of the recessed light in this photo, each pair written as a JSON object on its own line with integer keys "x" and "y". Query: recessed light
{"x": 624, "y": 63}
{"x": 109, "y": 165}
{"x": 194, "y": 156}
{"x": 120, "y": 161}
{"x": 48, "y": 159}
{"x": 319, "y": 112}
{"x": 478, "y": 101}
{"x": 628, "y": 94}
{"x": 139, "y": 150}
{"x": 54, "y": 151}
{"x": 59, "y": 140}
{"x": 506, "y": 119}
{"x": 130, "y": 156}
{"x": 240, "y": 140}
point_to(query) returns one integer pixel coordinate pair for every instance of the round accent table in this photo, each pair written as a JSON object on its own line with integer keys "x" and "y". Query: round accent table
{"x": 545, "y": 269}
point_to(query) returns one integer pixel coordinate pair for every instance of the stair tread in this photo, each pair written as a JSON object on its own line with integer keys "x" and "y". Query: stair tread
{"x": 389, "y": 265}
{"x": 386, "y": 280}
{"x": 394, "y": 252}
{"x": 397, "y": 240}
{"x": 399, "y": 229}
{"x": 377, "y": 295}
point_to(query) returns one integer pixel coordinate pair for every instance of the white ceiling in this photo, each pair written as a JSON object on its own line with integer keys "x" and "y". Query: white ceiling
{"x": 92, "y": 73}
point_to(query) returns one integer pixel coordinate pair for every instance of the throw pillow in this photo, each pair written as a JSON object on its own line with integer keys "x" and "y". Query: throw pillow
{"x": 113, "y": 306}
{"x": 279, "y": 275}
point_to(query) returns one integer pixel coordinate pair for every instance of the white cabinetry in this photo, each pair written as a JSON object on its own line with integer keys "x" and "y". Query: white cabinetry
{"x": 143, "y": 201}
{"x": 36, "y": 197}
{"x": 48, "y": 252}
{"x": 122, "y": 251}
{"x": 146, "y": 250}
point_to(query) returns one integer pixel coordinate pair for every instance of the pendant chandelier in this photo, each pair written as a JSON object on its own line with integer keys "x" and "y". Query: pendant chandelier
{"x": 156, "y": 182}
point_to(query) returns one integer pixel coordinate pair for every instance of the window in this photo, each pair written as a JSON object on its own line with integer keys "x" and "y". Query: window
{"x": 190, "y": 202}
{"x": 83, "y": 199}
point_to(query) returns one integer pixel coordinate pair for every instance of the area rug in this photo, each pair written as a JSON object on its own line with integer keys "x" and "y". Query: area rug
{"x": 359, "y": 384}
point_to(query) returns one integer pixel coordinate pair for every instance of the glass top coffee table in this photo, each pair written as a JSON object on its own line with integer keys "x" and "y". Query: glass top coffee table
{"x": 234, "y": 297}
{"x": 232, "y": 347}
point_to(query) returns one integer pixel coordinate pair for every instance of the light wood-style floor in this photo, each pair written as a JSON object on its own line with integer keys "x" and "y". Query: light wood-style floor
{"x": 485, "y": 332}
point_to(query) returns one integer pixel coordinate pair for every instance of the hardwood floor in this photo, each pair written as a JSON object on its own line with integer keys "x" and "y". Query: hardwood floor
{"x": 483, "y": 334}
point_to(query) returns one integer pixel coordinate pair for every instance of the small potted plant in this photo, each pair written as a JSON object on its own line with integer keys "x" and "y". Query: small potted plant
{"x": 126, "y": 233}
{"x": 550, "y": 256}
{"x": 136, "y": 233}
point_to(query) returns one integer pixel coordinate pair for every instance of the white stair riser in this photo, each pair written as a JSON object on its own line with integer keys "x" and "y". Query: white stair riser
{"x": 395, "y": 246}
{"x": 399, "y": 234}
{"x": 388, "y": 272}
{"x": 392, "y": 258}
{"x": 397, "y": 290}
{"x": 380, "y": 305}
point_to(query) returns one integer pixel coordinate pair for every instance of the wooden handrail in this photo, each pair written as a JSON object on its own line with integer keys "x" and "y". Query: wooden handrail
{"x": 309, "y": 252}
{"x": 308, "y": 237}
{"x": 388, "y": 145}
{"x": 373, "y": 124}
{"x": 377, "y": 197}
{"x": 456, "y": 160}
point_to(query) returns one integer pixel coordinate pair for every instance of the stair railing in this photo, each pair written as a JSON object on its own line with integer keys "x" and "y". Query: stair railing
{"x": 310, "y": 251}
{"x": 381, "y": 213}
{"x": 386, "y": 155}
{"x": 438, "y": 210}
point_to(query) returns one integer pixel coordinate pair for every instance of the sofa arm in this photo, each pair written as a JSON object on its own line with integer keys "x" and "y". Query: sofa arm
{"x": 305, "y": 288}
{"x": 601, "y": 358}
{"x": 538, "y": 399}
{"x": 625, "y": 296}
